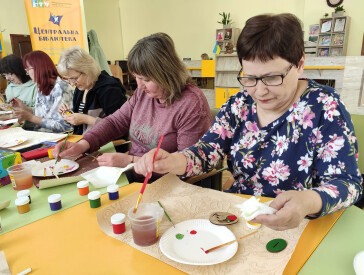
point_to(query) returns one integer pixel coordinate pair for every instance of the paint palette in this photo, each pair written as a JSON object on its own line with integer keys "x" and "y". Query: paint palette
{"x": 63, "y": 166}
{"x": 13, "y": 142}
{"x": 186, "y": 243}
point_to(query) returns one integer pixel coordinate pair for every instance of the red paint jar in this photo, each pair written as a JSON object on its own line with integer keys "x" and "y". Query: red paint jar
{"x": 118, "y": 223}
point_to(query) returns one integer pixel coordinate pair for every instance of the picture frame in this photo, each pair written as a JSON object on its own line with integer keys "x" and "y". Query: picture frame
{"x": 339, "y": 24}
{"x": 313, "y": 32}
{"x": 323, "y": 52}
{"x": 228, "y": 34}
{"x": 325, "y": 40}
{"x": 220, "y": 35}
{"x": 336, "y": 52}
{"x": 326, "y": 25}
{"x": 338, "y": 39}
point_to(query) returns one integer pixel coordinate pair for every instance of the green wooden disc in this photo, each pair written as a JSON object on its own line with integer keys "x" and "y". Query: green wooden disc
{"x": 276, "y": 245}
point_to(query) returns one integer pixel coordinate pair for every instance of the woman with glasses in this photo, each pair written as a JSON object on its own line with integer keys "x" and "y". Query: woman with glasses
{"x": 19, "y": 83}
{"x": 284, "y": 136}
{"x": 165, "y": 103}
{"x": 97, "y": 94}
{"x": 52, "y": 92}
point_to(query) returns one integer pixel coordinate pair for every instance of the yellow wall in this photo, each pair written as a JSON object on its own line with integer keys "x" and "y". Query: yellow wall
{"x": 191, "y": 24}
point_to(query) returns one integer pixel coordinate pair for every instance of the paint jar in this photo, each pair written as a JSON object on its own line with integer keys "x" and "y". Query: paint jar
{"x": 24, "y": 193}
{"x": 113, "y": 191}
{"x": 94, "y": 198}
{"x": 83, "y": 188}
{"x": 55, "y": 202}
{"x": 145, "y": 223}
{"x": 118, "y": 223}
{"x": 21, "y": 176}
{"x": 23, "y": 204}
{"x": 253, "y": 225}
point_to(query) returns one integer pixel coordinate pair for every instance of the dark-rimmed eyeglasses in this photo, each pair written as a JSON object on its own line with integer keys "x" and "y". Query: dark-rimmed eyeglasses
{"x": 72, "y": 81}
{"x": 268, "y": 80}
{"x": 28, "y": 69}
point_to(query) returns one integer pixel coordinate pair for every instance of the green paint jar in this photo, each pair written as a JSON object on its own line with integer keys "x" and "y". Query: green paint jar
{"x": 94, "y": 198}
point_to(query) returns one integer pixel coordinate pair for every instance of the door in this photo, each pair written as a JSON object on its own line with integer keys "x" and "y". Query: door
{"x": 20, "y": 44}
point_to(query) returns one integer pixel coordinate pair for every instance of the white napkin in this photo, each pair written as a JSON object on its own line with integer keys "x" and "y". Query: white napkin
{"x": 104, "y": 175}
{"x": 252, "y": 208}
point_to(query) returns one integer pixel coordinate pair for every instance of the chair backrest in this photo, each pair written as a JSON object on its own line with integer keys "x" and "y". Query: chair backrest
{"x": 117, "y": 72}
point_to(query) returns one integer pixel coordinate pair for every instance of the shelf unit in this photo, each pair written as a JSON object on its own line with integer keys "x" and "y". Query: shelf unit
{"x": 227, "y": 67}
{"x": 333, "y": 36}
{"x": 224, "y": 36}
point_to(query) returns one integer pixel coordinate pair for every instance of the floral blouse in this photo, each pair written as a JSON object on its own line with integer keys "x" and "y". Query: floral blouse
{"x": 311, "y": 146}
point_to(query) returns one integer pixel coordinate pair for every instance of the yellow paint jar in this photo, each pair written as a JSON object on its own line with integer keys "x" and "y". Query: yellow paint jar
{"x": 22, "y": 204}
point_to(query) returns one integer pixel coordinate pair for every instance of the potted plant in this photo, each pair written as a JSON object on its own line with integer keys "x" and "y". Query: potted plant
{"x": 225, "y": 21}
{"x": 339, "y": 11}
{"x": 326, "y": 15}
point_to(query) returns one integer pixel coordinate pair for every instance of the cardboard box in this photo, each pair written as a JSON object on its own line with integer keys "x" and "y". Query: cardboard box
{"x": 7, "y": 159}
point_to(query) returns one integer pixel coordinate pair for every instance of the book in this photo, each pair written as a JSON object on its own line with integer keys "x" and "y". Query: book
{"x": 336, "y": 52}
{"x": 325, "y": 40}
{"x": 324, "y": 52}
{"x": 339, "y": 25}
{"x": 338, "y": 39}
{"x": 326, "y": 26}
{"x": 313, "y": 33}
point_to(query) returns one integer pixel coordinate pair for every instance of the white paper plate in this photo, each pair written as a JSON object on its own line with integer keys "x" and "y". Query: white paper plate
{"x": 12, "y": 142}
{"x": 63, "y": 166}
{"x": 188, "y": 249}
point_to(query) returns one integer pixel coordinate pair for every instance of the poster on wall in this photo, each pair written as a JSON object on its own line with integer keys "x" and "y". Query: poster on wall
{"x": 54, "y": 25}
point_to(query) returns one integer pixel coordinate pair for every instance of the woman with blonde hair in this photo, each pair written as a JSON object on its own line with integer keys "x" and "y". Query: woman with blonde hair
{"x": 165, "y": 103}
{"x": 97, "y": 94}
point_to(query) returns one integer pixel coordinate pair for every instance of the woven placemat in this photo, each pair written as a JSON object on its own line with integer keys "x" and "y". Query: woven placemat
{"x": 185, "y": 202}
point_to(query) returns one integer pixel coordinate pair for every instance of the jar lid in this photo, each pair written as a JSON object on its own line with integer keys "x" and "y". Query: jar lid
{"x": 253, "y": 225}
{"x": 54, "y": 198}
{"x": 23, "y": 193}
{"x": 118, "y": 218}
{"x": 22, "y": 201}
{"x": 94, "y": 195}
{"x": 82, "y": 184}
{"x": 112, "y": 188}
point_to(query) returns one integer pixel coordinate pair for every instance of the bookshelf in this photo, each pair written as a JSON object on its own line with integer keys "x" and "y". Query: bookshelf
{"x": 225, "y": 36}
{"x": 333, "y": 36}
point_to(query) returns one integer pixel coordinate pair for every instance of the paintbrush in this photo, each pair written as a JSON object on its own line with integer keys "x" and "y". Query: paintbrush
{"x": 166, "y": 213}
{"x": 147, "y": 177}
{"x": 62, "y": 147}
{"x": 225, "y": 244}
{"x": 54, "y": 173}
{"x": 94, "y": 157}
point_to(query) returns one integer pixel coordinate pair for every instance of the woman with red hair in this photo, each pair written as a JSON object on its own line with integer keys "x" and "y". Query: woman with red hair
{"x": 52, "y": 92}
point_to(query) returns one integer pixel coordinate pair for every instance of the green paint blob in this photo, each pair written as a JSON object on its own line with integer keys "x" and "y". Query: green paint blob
{"x": 179, "y": 236}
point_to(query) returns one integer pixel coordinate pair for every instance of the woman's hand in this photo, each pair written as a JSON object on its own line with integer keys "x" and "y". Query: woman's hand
{"x": 23, "y": 114}
{"x": 62, "y": 108}
{"x": 17, "y": 103}
{"x": 293, "y": 207}
{"x": 164, "y": 162}
{"x": 77, "y": 119}
{"x": 114, "y": 159}
{"x": 70, "y": 149}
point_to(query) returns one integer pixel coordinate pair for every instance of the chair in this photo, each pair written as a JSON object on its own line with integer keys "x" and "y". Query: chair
{"x": 117, "y": 72}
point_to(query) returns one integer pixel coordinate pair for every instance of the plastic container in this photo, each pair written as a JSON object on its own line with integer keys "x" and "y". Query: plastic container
{"x": 21, "y": 176}
{"x": 113, "y": 191}
{"x": 83, "y": 187}
{"x": 145, "y": 223}
{"x": 252, "y": 225}
{"x": 22, "y": 204}
{"x": 118, "y": 223}
{"x": 24, "y": 193}
{"x": 55, "y": 202}
{"x": 94, "y": 198}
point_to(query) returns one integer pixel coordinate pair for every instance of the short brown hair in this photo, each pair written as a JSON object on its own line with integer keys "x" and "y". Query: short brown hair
{"x": 155, "y": 57}
{"x": 266, "y": 36}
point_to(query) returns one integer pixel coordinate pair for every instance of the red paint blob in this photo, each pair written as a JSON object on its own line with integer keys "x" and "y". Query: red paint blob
{"x": 193, "y": 232}
{"x": 203, "y": 250}
{"x": 232, "y": 217}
